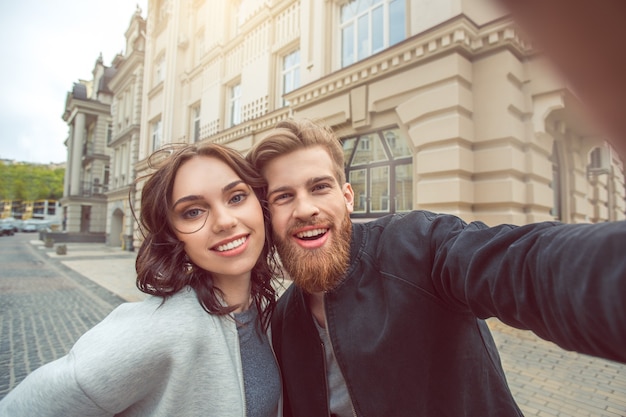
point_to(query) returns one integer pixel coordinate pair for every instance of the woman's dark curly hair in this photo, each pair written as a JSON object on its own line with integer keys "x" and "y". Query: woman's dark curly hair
{"x": 162, "y": 265}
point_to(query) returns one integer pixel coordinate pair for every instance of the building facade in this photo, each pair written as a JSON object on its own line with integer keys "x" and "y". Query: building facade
{"x": 440, "y": 105}
{"x": 127, "y": 88}
{"x": 88, "y": 115}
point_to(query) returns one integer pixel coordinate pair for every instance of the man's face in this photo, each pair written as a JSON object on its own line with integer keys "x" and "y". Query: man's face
{"x": 310, "y": 217}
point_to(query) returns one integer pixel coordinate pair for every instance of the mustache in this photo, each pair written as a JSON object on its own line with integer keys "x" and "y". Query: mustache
{"x": 325, "y": 270}
{"x": 327, "y": 223}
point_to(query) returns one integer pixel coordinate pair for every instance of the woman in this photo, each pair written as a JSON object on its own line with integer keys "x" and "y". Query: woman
{"x": 198, "y": 345}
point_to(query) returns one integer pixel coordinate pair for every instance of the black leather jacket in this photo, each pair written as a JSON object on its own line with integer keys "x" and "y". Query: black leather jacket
{"x": 406, "y": 322}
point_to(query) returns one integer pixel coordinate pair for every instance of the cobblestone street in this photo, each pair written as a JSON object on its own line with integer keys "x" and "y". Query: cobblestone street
{"x": 45, "y": 308}
{"x": 549, "y": 381}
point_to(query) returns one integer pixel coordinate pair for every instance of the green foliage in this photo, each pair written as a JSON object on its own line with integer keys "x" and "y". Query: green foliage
{"x": 30, "y": 182}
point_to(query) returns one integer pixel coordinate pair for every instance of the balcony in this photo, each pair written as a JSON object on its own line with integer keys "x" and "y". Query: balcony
{"x": 93, "y": 189}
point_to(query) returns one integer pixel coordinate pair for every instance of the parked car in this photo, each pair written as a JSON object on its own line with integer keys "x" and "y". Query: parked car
{"x": 28, "y": 226}
{"x": 7, "y": 227}
{"x": 35, "y": 225}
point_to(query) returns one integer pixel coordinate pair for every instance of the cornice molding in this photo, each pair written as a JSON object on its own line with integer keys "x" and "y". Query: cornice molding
{"x": 458, "y": 34}
{"x": 125, "y": 135}
{"x": 250, "y": 127}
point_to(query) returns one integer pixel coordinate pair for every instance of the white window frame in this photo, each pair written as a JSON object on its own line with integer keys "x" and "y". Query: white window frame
{"x": 290, "y": 74}
{"x": 199, "y": 47}
{"x": 364, "y": 16}
{"x": 159, "y": 70}
{"x": 195, "y": 112}
{"x": 156, "y": 134}
{"x": 234, "y": 104}
{"x": 362, "y": 173}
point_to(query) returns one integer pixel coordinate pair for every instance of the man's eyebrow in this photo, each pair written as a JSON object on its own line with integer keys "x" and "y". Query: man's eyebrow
{"x": 315, "y": 180}
{"x": 278, "y": 190}
{"x": 192, "y": 197}
{"x": 310, "y": 182}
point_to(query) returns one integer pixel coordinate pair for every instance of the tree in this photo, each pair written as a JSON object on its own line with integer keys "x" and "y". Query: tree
{"x": 24, "y": 181}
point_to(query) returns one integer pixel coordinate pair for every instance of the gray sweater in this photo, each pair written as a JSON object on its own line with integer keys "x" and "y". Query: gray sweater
{"x": 144, "y": 359}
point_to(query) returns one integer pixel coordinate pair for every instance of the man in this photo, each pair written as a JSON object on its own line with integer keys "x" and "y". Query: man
{"x": 385, "y": 318}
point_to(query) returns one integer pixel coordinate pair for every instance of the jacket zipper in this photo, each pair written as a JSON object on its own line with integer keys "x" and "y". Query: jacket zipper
{"x": 325, "y": 376}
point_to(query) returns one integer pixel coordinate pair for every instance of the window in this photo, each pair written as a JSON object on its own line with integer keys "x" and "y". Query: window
{"x": 379, "y": 166}
{"x": 195, "y": 123}
{"x": 107, "y": 174}
{"x": 234, "y": 16}
{"x": 159, "y": 70}
{"x": 369, "y": 26}
{"x": 125, "y": 161}
{"x": 156, "y": 132}
{"x": 127, "y": 106}
{"x": 162, "y": 8}
{"x": 234, "y": 105}
{"x": 290, "y": 73}
{"x": 599, "y": 161}
{"x": 556, "y": 211}
{"x": 199, "y": 47}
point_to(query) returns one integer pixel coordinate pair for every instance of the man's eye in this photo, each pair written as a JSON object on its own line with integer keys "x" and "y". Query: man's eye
{"x": 318, "y": 187}
{"x": 281, "y": 197}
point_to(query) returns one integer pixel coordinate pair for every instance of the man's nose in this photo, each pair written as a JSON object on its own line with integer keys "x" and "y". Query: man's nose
{"x": 305, "y": 208}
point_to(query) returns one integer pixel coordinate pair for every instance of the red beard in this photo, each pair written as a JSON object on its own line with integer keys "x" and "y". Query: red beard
{"x": 319, "y": 269}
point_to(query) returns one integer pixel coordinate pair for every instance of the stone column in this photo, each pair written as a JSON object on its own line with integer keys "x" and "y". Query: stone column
{"x": 68, "y": 167}
{"x": 77, "y": 153}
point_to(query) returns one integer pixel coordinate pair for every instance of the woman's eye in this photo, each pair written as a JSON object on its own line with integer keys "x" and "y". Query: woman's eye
{"x": 238, "y": 198}
{"x": 192, "y": 213}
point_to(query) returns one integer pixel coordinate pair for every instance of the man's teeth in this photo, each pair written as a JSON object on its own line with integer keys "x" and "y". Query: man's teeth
{"x": 231, "y": 245}
{"x": 311, "y": 233}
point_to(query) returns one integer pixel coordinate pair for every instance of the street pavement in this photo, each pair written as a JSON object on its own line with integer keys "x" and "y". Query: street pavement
{"x": 545, "y": 380}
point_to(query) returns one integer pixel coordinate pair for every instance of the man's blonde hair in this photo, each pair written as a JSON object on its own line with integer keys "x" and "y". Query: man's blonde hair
{"x": 292, "y": 135}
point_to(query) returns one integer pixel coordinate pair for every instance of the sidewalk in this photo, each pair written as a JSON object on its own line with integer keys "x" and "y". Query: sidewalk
{"x": 109, "y": 267}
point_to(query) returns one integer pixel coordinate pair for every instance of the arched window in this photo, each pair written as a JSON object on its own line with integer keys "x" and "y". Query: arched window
{"x": 379, "y": 166}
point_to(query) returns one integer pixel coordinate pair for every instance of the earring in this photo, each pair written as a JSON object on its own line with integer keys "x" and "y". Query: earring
{"x": 187, "y": 266}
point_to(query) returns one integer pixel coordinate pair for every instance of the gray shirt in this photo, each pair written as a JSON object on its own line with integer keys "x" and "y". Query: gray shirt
{"x": 260, "y": 371}
{"x": 340, "y": 404}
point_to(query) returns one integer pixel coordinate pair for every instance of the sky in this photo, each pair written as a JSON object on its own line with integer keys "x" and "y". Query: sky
{"x": 46, "y": 46}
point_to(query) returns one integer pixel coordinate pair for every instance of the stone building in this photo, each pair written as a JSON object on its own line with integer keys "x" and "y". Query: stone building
{"x": 127, "y": 88}
{"x": 88, "y": 116}
{"x": 440, "y": 105}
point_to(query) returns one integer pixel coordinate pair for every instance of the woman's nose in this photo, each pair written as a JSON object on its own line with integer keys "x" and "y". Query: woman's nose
{"x": 223, "y": 220}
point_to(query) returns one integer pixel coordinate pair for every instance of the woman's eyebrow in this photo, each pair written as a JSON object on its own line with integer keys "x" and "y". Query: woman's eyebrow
{"x": 232, "y": 185}
{"x": 193, "y": 197}
{"x": 186, "y": 199}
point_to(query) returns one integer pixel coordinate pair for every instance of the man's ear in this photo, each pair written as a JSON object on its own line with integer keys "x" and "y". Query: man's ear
{"x": 348, "y": 195}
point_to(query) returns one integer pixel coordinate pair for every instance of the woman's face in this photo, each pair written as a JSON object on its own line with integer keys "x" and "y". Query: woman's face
{"x": 218, "y": 217}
